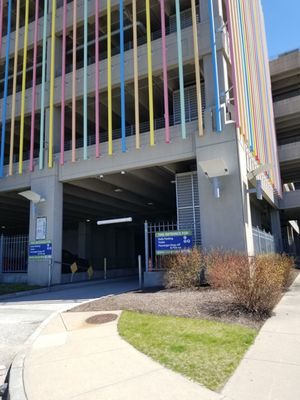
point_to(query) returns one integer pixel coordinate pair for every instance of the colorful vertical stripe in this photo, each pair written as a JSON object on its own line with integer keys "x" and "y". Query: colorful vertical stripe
{"x": 21, "y": 146}
{"x": 109, "y": 82}
{"x": 14, "y": 91}
{"x": 44, "y": 61}
{"x": 63, "y": 85}
{"x": 122, "y": 77}
{"x": 1, "y": 25}
{"x": 32, "y": 132}
{"x": 97, "y": 105}
{"x": 180, "y": 68}
{"x": 136, "y": 77}
{"x": 150, "y": 77}
{"x": 218, "y": 119}
{"x": 52, "y": 77}
{"x": 74, "y": 127}
{"x": 4, "y": 107}
{"x": 197, "y": 67}
{"x": 251, "y": 80}
{"x": 85, "y": 88}
{"x": 165, "y": 70}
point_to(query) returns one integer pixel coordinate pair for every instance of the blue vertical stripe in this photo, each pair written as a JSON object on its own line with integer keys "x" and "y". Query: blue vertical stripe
{"x": 218, "y": 118}
{"x": 4, "y": 109}
{"x": 180, "y": 66}
{"x": 122, "y": 78}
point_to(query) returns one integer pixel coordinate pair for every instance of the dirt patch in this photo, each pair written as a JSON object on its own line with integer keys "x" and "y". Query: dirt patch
{"x": 203, "y": 303}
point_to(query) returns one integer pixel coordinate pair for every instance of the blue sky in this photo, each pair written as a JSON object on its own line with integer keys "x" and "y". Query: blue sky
{"x": 282, "y": 18}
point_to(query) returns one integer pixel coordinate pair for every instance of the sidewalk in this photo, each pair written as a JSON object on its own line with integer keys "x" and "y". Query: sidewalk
{"x": 271, "y": 367}
{"x": 75, "y": 360}
{"x": 71, "y": 359}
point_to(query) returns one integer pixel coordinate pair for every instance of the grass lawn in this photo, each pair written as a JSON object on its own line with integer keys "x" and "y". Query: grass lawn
{"x": 7, "y": 288}
{"x": 206, "y": 351}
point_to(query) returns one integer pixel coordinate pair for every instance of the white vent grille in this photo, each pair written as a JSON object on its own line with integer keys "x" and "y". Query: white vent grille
{"x": 188, "y": 208}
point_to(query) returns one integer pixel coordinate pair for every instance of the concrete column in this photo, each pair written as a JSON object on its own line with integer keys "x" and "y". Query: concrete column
{"x": 276, "y": 230}
{"x": 218, "y": 11}
{"x": 56, "y": 129}
{"x": 84, "y": 240}
{"x": 47, "y": 185}
{"x": 231, "y": 212}
{"x": 57, "y": 56}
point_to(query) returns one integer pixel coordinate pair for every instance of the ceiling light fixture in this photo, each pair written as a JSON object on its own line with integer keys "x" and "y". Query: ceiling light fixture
{"x": 114, "y": 221}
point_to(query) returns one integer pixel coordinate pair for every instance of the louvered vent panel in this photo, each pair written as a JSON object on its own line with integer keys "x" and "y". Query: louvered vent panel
{"x": 188, "y": 210}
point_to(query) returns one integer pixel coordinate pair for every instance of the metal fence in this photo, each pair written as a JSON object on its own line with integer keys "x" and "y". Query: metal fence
{"x": 13, "y": 254}
{"x": 264, "y": 242}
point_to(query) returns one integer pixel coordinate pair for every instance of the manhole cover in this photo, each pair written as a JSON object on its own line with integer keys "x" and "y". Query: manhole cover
{"x": 101, "y": 318}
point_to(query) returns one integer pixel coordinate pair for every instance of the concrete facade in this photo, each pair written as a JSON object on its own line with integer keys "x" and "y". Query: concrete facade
{"x": 285, "y": 76}
{"x": 138, "y": 182}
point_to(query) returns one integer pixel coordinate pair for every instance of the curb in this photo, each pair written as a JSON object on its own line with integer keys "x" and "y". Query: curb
{"x": 57, "y": 288}
{"x": 16, "y": 389}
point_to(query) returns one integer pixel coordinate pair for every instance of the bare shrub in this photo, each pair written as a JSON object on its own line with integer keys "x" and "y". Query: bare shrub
{"x": 182, "y": 269}
{"x": 255, "y": 284}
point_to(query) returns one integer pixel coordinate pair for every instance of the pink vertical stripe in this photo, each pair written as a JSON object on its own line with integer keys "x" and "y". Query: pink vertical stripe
{"x": 36, "y": 27}
{"x": 97, "y": 79}
{"x": 232, "y": 56}
{"x": 74, "y": 81}
{"x": 63, "y": 87}
{"x": 165, "y": 70}
{"x": 1, "y": 24}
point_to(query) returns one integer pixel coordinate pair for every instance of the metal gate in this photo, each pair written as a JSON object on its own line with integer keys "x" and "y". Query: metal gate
{"x": 13, "y": 254}
{"x": 154, "y": 262}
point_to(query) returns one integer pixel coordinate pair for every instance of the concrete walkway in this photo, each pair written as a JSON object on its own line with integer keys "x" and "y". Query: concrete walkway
{"x": 271, "y": 367}
{"x": 21, "y": 316}
{"x": 72, "y": 359}
{"x": 75, "y": 360}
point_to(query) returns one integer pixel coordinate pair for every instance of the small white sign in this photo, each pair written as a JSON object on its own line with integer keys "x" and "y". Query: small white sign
{"x": 41, "y": 228}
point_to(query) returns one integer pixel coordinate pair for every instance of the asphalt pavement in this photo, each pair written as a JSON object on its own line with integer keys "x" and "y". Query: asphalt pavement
{"x": 20, "y": 317}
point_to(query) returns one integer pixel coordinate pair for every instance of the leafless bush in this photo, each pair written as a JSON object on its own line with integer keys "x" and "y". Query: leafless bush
{"x": 255, "y": 283}
{"x": 183, "y": 269}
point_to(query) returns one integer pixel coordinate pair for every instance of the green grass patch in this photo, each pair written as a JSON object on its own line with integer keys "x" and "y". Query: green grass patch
{"x": 206, "y": 351}
{"x": 8, "y": 288}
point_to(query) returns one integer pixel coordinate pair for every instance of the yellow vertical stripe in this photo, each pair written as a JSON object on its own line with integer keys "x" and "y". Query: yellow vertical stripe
{"x": 21, "y": 147}
{"x": 13, "y": 106}
{"x": 109, "y": 87}
{"x": 52, "y": 77}
{"x": 150, "y": 79}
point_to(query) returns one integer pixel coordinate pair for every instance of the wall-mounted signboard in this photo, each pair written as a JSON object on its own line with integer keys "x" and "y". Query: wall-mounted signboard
{"x": 40, "y": 250}
{"x": 173, "y": 242}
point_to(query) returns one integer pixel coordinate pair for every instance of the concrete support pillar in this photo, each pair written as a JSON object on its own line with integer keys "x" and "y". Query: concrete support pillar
{"x": 231, "y": 212}
{"x": 46, "y": 184}
{"x": 276, "y": 230}
{"x": 56, "y": 129}
{"x": 84, "y": 240}
{"x": 218, "y": 10}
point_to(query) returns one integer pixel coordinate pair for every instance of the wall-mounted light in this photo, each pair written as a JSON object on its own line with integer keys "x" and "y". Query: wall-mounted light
{"x": 214, "y": 170}
{"x": 32, "y": 196}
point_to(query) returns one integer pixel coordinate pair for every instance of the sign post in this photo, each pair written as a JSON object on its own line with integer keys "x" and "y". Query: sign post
{"x": 173, "y": 242}
{"x": 42, "y": 250}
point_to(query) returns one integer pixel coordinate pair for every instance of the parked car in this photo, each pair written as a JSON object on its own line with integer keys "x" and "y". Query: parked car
{"x": 68, "y": 259}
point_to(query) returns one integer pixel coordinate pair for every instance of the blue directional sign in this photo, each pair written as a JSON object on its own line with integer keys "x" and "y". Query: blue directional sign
{"x": 173, "y": 242}
{"x": 40, "y": 250}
